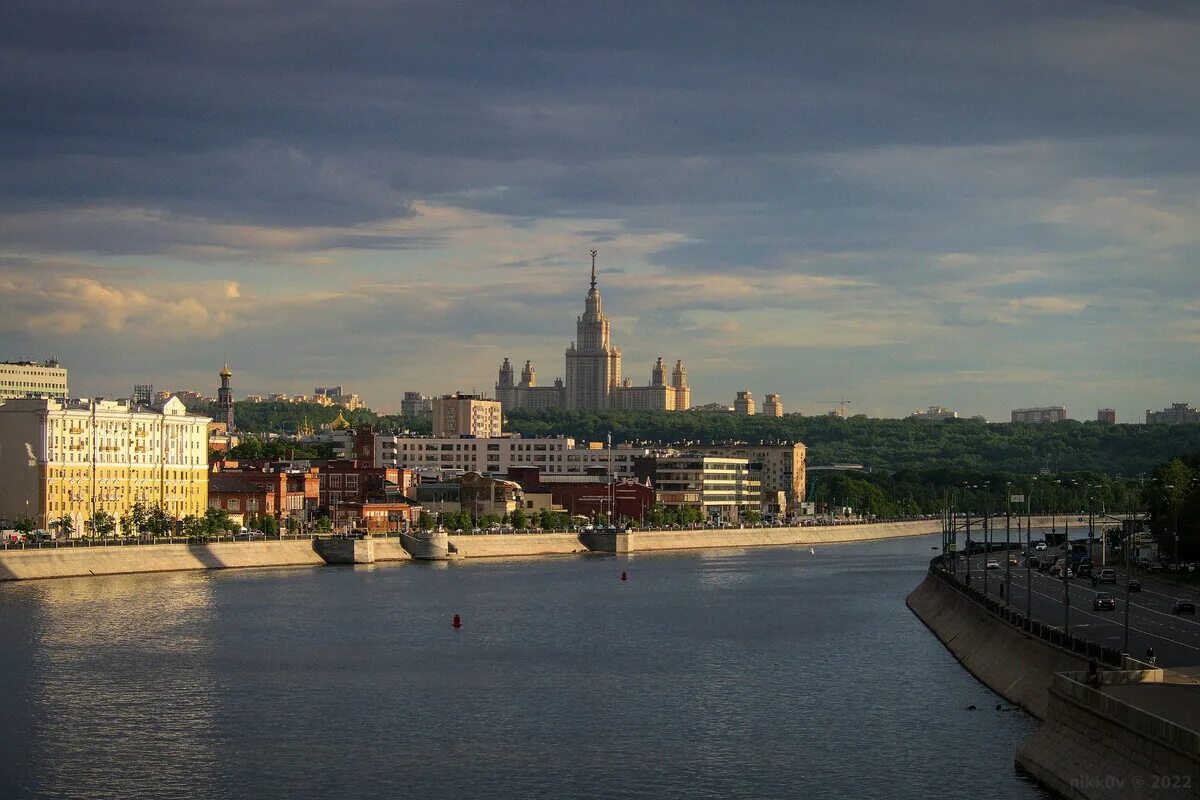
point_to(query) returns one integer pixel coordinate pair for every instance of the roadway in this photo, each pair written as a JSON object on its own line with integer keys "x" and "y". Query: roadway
{"x": 1174, "y": 637}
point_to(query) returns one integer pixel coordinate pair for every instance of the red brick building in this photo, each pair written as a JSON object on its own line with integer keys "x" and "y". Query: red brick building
{"x": 375, "y": 517}
{"x": 588, "y": 495}
{"x": 294, "y": 493}
{"x": 241, "y": 499}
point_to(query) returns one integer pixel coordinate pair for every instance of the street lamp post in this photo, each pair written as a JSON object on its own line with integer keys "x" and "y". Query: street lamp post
{"x": 1007, "y": 543}
{"x": 1028, "y": 550}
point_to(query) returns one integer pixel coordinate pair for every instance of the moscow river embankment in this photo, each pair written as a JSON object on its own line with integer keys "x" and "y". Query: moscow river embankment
{"x": 64, "y": 562}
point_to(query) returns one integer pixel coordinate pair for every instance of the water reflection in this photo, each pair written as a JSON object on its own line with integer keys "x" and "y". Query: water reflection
{"x": 121, "y": 690}
{"x": 758, "y": 673}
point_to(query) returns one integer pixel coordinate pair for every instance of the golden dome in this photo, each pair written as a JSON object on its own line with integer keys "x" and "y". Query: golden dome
{"x": 340, "y": 424}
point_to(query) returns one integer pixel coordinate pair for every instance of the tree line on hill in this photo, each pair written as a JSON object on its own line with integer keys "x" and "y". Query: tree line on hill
{"x": 962, "y": 445}
{"x": 280, "y": 417}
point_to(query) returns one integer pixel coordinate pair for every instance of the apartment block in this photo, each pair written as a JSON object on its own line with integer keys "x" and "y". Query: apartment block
{"x": 77, "y": 458}
{"x": 32, "y": 379}
{"x": 466, "y": 415}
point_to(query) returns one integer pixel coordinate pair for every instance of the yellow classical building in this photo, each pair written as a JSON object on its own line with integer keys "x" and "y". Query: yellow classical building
{"x": 77, "y": 458}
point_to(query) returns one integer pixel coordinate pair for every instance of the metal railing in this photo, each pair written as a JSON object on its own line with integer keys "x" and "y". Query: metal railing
{"x": 1073, "y": 685}
{"x": 1050, "y": 634}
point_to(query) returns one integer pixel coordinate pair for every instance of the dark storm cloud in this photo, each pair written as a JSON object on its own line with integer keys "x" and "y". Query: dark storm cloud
{"x": 253, "y": 111}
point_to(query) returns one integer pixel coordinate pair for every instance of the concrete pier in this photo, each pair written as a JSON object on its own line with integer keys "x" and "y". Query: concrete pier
{"x": 345, "y": 551}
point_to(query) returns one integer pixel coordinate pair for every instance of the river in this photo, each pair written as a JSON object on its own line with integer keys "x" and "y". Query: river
{"x": 762, "y": 673}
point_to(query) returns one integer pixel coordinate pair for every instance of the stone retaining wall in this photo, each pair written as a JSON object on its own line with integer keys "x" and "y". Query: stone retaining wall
{"x": 64, "y": 562}
{"x": 1094, "y": 747}
{"x": 643, "y": 541}
{"x": 1015, "y": 665}
{"x": 500, "y": 545}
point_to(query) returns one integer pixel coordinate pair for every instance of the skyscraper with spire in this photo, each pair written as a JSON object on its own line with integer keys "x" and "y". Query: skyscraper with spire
{"x": 593, "y": 373}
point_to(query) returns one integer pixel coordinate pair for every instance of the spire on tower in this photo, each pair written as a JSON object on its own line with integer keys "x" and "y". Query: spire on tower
{"x": 593, "y": 252}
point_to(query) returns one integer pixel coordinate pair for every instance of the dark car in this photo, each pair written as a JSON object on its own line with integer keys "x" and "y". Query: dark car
{"x": 1183, "y": 607}
{"x": 1045, "y": 565}
{"x": 1135, "y": 585}
{"x": 1104, "y": 600}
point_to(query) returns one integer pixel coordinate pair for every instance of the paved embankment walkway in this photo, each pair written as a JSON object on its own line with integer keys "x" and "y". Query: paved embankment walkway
{"x": 64, "y": 562}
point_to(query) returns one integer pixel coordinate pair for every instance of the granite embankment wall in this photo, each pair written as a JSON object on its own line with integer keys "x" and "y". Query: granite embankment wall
{"x": 1015, "y": 665}
{"x": 1093, "y": 746}
{"x": 517, "y": 544}
{"x": 643, "y": 541}
{"x": 65, "y": 562}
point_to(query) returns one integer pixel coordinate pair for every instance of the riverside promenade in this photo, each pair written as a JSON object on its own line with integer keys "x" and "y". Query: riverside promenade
{"x": 64, "y": 560}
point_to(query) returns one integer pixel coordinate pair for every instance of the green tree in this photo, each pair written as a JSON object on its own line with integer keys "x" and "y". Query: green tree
{"x": 426, "y": 521}
{"x": 752, "y": 516}
{"x": 217, "y": 521}
{"x": 322, "y": 525}
{"x": 267, "y": 524}
{"x": 103, "y": 524}
{"x": 65, "y": 525}
{"x": 293, "y": 525}
{"x": 656, "y": 516}
{"x": 157, "y": 522}
{"x": 519, "y": 520}
{"x": 25, "y": 525}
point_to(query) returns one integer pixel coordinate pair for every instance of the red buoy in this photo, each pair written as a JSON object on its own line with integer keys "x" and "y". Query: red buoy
{"x": 624, "y": 575}
{"x": 457, "y": 621}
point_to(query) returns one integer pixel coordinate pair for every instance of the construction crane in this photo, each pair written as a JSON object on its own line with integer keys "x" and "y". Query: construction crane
{"x": 840, "y": 407}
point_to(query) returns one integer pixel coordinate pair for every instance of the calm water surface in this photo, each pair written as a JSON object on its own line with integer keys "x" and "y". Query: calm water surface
{"x": 753, "y": 673}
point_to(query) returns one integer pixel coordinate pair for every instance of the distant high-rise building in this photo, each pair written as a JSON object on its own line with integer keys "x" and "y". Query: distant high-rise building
{"x": 32, "y": 379}
{"x": 744, "y": 404}
{"x": 143, "y": 394}
{"x": 1177, "y": 414}
{"x": 416, "y": 405}
{"x": 1039, "y": 415}
{"x": 334, "y": 396}
{"x": 593, "y": 373}
{"x": 934, "y": 414}
{"x": 466, "y": 415}
{"x": 1107, "y": 416}
{"x": 225, "y": 400}
{"x": 772, "y": 407}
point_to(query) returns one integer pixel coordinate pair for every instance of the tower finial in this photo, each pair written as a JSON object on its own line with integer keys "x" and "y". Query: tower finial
{"x": 593, "y": 252}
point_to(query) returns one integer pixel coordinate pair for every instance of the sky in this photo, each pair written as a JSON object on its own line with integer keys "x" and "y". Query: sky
{"x": 978, "y": 205}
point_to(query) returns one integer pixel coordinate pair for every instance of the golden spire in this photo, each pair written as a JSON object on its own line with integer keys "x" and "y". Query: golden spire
{"x": 340, "y": 424}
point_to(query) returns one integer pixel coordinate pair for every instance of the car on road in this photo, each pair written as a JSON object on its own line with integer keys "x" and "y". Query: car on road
{"x": 1039, "y": 545}
{"x": 993, "y": 565}
{"x": 1183, "y": 607}
{"x": 1107, "y": 575}
{"x": 1104, "y": 601}
{"x": 1135, "y": 585}
{"x": 1044, "y": 565}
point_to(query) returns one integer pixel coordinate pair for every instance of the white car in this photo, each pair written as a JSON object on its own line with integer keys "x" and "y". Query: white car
{"x": 1040, "y": 546}
{"x": 993, "y": 565}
